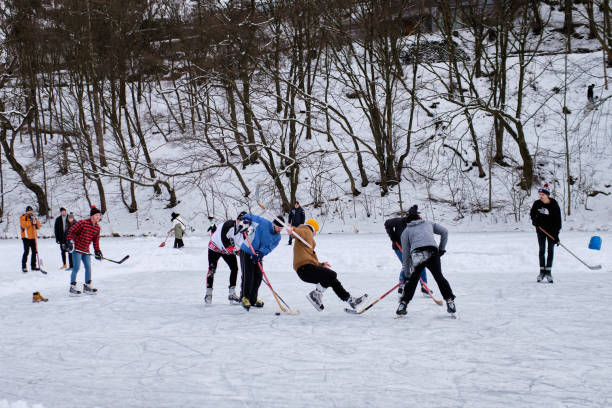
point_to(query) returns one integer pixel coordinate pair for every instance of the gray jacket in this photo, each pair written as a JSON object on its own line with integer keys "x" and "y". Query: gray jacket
{"x": 419, "y": 234}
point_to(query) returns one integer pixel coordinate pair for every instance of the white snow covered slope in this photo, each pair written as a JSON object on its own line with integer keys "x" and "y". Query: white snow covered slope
{"x": 147, "y": 340}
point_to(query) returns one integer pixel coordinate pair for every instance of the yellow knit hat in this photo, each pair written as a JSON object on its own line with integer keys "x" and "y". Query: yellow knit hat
{"x": 313, "y": 223}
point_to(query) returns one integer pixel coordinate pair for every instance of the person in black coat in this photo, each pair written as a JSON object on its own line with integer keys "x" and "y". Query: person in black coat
{"x": 60, "y": 230}
{"x": 546, "y": 216}
{"x": 296, "y": 217}
{"x": 70, "y": 221}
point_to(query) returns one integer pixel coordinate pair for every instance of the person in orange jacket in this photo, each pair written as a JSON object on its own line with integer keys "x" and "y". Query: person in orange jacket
{"x": 29, "y": 232}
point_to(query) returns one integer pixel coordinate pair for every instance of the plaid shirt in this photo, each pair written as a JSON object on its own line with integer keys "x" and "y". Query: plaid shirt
{"x": 83, "y": 233}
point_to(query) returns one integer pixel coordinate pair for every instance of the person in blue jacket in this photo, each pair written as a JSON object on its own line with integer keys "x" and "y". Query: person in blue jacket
{"x": 264, "y": 239}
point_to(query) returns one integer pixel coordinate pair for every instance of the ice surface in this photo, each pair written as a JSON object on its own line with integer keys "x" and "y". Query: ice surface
{"x": 147, "y": 340}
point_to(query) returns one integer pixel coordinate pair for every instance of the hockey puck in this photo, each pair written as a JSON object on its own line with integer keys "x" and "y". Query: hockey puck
{"x": 277, "y": 313}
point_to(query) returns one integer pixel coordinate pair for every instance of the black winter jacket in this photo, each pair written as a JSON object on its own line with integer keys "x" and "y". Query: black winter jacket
{"x": 547, "y": 216}
{"x": 297, "y": 216}
{"x": 395, "y": 227}
{"x": 59, "y": 231}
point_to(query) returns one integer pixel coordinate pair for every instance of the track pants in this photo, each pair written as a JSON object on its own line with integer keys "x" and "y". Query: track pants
{"x": 324, "y": 276}
{"x": 543, "y": 241}
{"x": 251, "y": 277}
{"x": 213, "y": 259}
{"x": 431, "y": 261}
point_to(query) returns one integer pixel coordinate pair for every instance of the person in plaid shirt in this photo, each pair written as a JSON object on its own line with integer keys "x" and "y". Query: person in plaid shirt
{"x": 79, "y": 238}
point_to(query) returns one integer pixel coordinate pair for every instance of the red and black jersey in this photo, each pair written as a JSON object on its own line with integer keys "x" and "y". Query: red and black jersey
{"x": 83, "y": 233}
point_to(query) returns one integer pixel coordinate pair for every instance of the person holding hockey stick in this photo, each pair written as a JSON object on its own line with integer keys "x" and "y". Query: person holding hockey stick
{"x": 225, "y": 243}
{"x": 420, "y": 250}
{"x": 394, "y": 228}
{"x": 546, "y": 214}
{"x": 79, "y": 238}
{"x": 310, "y": 270}
{"x": 266, "y": 238}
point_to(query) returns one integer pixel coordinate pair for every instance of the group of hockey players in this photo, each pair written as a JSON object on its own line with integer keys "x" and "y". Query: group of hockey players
{"x": 250, "y": 238}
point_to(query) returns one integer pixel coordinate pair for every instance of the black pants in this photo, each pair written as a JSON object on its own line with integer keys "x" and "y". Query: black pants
{"x": 543, "y": 240}
{"x": 178, "y": 243}
{"x": 251, "y": 277}
{"x": 432, "y": 263}
{"x": 27, "y": 245}
{"x": 324, "y": 276}
{"x": 213, "y": 259}
{"x": 62, "y": 246}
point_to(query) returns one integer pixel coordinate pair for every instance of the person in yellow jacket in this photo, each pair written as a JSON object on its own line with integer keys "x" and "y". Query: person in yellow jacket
{"x": 309, "y": 269}
{"x": 29, "y": 232}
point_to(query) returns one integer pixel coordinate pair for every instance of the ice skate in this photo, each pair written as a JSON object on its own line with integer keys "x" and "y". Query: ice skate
{"x": 354, "y": 302}
{"x": 246, "y": 303}
{"x": 549, "y": 277}
{"x": 89, "y": 290}
{"x": 450, "y": 306}
{"x": 315, "y": 298}
{"x": 73, "y": 290}
{"x": 541, "y": 277}
{"x": 208, "y": 296}
{"x": 259, "y": 303}
{"x": 232, "y": 297}
{"x": 24, "y": 270}
{"x": 401, "y": 309}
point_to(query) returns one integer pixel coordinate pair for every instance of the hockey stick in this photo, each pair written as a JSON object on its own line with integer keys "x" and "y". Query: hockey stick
{"x": 267, "y": 281}
{"x": 40, "y": 265}
{"x": 353, "y": 311}
{"x": 591, "y": 267}
{"x": 117, "y": 262}
{"x": 290, "y": 230}
{"x": 436, "y": 301}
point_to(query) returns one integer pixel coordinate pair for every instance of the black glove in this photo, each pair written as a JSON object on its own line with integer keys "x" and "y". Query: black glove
{"x": 98, "y": 255}
{"x": 70, "y": 246}
{"x": 257, "y": 257}
{"x": 441, "y": 252}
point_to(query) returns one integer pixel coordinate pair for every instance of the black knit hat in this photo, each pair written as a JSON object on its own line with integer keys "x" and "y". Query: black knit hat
{"x": 93, "y": 211}
{"x": 29, "y": 208}
{"x": 413, "y": 213}
{"x": 279, "y": 221}
{"x": 173, "y": 216}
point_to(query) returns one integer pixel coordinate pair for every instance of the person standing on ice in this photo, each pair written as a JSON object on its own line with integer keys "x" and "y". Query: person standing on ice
{"x": 266, "y": 238}
{"x": 178, "y": 228}
{"x": 225, "y": 243}
{"x": 213, "y": 225}
{"x": 70, "y": 221}
{"x": 60, "y": 233}
{"x": 296, "y": 217}
{"x": 546, "y": 214}
{"x": 420, "y": 250}
{"x": 394, "y": 228}
{"x": 80, "y": 236}
{"x": 310, "y": 270}
{"x": 29, "y": 226}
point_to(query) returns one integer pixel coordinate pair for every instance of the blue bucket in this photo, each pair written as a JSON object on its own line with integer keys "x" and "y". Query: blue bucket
{"x": 595, "y": 243}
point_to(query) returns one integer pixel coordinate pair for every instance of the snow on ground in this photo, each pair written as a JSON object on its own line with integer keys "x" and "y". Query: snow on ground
{"x": 147, "y": 340}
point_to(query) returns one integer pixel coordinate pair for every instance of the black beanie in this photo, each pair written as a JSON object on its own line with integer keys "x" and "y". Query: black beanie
{"x": 29, "y": 208}
{"x": 279, "y": 221}
{"x": 413, "y": 213}
{"x": 94, "y": 210}
{"x": 173, "y": 216}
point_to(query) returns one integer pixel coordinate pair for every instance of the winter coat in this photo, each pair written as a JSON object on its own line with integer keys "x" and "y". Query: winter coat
{"x": 65, "y": 236}
{"x": 297, "y": 216}
{"x": 179, "y": 227}
{"x": 83, "y": 233}
{"x": 265, "y": 239}
{"x": 394, "y": 228}
{"x": 547, "y": 216}
{"x": 60, "y": 223}
{"x": 29, "y": 225}
{"x": 225, "y": 237}
{"x": 302, "y": 255}
{"x": 420, "y": 234}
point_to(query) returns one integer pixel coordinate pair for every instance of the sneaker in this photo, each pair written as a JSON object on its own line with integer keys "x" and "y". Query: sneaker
{"x": 450, "y": 306}
{"x": 246, "y": 304}
{"x": 232, "y": 297}
{"x": 208, "y": 297}
{"x": 73, "y": 290}
{"x": 316, "y": 299}
{"x": 549, "y": 277}
{"x": 425, "y": 293}
{"x": 259, "y": 303}
{"x": 354, "y": 302}
{"x": 37, "y": 297}
{"x": 401, "y": 308}
{"x": 540, "y": 277}
{"x": 88, "y": 289}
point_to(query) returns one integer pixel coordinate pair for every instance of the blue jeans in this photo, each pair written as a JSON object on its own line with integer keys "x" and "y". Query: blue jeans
{"x": 402, "y": 275}
{"x": 76, "y": 260}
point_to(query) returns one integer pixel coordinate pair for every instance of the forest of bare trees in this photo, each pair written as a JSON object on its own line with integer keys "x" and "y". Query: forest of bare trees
{"x": 332, "y": 98}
